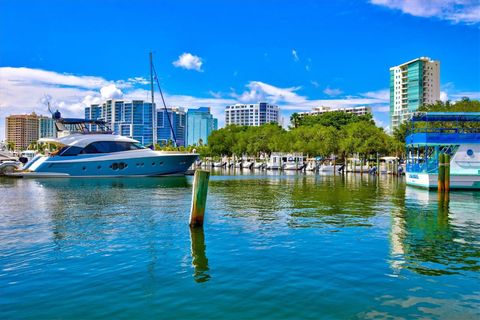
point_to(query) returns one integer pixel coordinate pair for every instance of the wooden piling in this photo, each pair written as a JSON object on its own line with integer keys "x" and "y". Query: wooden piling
{"x": 199, "y": 197}
{"x": 441, "y": 172}
{"x": 446, "y": 164}
{"x": 378, "y": 165}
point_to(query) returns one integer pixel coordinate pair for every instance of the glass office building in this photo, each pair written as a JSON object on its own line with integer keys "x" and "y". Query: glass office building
{"x": 200, "y": 124}
{"x": 177, "y": 118}
{"x": 132, "y": 119}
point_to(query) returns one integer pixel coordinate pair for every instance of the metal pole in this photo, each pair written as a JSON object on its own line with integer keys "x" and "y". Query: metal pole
{"x": 154, "y": 109}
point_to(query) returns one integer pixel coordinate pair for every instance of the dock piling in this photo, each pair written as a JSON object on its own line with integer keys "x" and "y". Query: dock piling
{"x": 199, "y": 197}
{"x": 441, "y": 172}
{"x": 446, "y": 165}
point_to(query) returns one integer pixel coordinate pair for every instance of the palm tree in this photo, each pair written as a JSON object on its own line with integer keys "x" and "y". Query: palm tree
{"x": 10, "y": 146}
{"x": 295, "y": 119}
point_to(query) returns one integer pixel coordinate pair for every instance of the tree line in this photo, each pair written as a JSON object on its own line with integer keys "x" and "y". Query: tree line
{"x": 333, "y": 133}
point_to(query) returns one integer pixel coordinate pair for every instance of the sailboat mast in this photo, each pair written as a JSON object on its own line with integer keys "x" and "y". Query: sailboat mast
{"x": 154, "y": 111}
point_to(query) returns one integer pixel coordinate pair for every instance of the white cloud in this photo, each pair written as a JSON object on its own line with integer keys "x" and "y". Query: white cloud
{"x": 189, "y": 61}
{"x": 111, "y": 92}
{"x": 315, "y": 84}
{"x": 383, "y": 94}
{"x": 295, "y": 55}
{"x": 456, "y": 11}
{"x": 332, "y": 92}
{"x": 443, "y": 96}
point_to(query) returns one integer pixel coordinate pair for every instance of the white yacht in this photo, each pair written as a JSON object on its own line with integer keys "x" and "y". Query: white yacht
{"x": 104, "y": 155}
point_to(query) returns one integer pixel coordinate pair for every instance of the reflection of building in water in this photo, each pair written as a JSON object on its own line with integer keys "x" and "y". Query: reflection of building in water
{"x": 433, "y": 236}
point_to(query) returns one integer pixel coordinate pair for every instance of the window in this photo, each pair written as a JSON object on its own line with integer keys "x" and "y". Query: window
{"x": 110, "y": 146}
{"x": 69, "y": 151}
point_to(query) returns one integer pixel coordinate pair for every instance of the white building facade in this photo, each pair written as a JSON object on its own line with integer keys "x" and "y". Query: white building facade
{"x": 252, "y": 114}
{"x": 358, "y": 110}
{"x": 412, "y": 84}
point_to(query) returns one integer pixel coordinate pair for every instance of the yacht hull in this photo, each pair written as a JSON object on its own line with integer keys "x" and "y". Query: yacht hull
{"x": 109, "y": 166}
{"x": 429, "y": 180}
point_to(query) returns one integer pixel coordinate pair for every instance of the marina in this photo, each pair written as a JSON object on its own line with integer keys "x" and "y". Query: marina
{"x": 275, "y": 244}
{"x": 240, "y": 160}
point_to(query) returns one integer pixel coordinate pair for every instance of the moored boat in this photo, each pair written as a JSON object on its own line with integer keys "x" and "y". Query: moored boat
{"x": 456, "y": 134}
{"x": 104, "y": 155}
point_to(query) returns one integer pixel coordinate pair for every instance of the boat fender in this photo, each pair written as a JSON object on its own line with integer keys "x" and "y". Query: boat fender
{"x": 23, "y": 160}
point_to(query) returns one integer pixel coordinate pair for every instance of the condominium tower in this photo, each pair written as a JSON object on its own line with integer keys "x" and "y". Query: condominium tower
{"x": 251, "y": 114}
{"x": 21, "y": 130}
{"x": 200, "y": 124}
{"x": 412, "y": 84}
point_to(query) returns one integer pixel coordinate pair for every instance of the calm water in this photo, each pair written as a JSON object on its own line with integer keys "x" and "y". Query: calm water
{"x": 274, "y": 246}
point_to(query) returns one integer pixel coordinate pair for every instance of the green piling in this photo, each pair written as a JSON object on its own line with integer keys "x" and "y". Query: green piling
{"x": 446, "y": 183}
{"x": 199, "y": 197}
{"x": 441, "y": 172}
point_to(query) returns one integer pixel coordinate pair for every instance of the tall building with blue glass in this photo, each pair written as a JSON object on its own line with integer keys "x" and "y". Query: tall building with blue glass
{"x": 128, "y": 118}
{"x": 200, "y": 124}
{"x": 46, "y": 127}
{"x": 177, "y": 118}
{"x": 412, "y": 84}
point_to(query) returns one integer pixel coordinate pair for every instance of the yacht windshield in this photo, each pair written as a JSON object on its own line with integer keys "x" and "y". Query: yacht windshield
{"x": 111, "y": 146}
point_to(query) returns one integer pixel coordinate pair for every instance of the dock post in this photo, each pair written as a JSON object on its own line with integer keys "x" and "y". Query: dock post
{"x": 378, "y": 165}
{"x": 446, "y": 164}
{"x": 199, "y": 197}
{"x": 441, "y": 172}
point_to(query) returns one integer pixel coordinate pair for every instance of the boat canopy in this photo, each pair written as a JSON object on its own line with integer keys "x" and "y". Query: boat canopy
{"x": 444, "y": 128}
{"x": 81, "y": 140}
{"x": 446, "y": 117}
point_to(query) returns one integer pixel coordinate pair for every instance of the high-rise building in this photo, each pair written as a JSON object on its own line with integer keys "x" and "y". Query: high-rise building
{"x": 412, "y": 84}
{"x": 21, "y": 130}
{"x": 200, "y": 124}
{"x": 177, "y": 118}
{"x": 252, "y": 114}
{"x": 358, "y": 110}
{"x": 128, "y": 118}
{"x": 46, "y": 127}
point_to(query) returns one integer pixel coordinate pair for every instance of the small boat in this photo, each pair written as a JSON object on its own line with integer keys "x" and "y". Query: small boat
{"x": 219, "y": 164}
{"x": 327, "y": 168}
{"x": 238, "y": 164}
{"x": 275, "y": 161}
{"x": 293, "y": 162}
{"x": 355, "y": 166}
{"x": 258, "y": 165}
{"x": 247, "y": 164}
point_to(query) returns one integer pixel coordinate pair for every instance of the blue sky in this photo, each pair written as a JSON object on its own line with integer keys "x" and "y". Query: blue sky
{"x": 297, "y": 54}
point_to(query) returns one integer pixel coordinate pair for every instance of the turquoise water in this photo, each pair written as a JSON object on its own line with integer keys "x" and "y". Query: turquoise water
{"x": 274, "y": 246}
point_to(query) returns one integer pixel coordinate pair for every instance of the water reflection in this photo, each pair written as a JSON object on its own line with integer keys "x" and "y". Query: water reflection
{"x": 436, "y": 234}
{"x": 199, "y": 258}
{"x": 116, "y": 183}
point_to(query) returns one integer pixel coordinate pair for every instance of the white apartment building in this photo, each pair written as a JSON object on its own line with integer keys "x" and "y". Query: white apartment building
{"x": 358, "y": 110}
{"x": 413, "y": 84}
{"x": 251, "y": 114}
